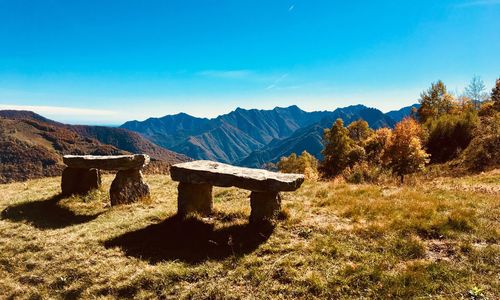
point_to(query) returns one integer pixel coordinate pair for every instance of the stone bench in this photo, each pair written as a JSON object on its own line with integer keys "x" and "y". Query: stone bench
{"x": 83, "y": 175}
{"x": 196, "y": 179}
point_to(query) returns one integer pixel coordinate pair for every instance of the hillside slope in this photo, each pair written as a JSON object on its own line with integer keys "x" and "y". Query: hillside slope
{"x": 31, "y": 146}
{"x": 33, "y": 149}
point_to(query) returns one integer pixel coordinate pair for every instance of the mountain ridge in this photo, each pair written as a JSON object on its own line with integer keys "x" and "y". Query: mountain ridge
{"x": 236, "y": 135}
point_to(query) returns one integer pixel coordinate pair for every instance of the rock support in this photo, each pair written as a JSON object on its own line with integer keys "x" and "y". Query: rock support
{"x": 194, "y": 198}
{"x": 80, "y": 181}
{"x": 265, "y": 206}
{"x": 128, "y": 187}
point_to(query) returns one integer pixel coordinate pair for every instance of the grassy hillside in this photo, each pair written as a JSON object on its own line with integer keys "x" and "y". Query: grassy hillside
{"x": 437, "y": 238}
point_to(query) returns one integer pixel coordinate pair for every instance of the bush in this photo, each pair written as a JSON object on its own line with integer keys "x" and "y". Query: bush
{"x": 483, "y": 151}
{"x": 362, "y": 172}
{"x": 449, "y": 135}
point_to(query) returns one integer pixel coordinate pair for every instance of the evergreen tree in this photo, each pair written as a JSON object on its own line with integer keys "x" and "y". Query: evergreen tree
{"x": 338, "y": 145}
{"x": 435, "y": 102}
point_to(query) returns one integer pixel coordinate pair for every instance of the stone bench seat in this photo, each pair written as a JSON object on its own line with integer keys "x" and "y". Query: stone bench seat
{"x": 107, "y": 162}
{"x": 83, "y": 175}
{"x": 197, "y": 178}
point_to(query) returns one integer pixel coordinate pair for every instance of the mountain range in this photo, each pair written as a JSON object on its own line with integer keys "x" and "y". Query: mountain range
{"x": 254, "y": 137}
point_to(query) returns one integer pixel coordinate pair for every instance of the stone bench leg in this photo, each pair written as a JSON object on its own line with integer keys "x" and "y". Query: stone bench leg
{"x": 265, "y": 206}
{"x": 194, "y": 198}
{"x": 79, "y": 181}
{"x": 127, "y": 187}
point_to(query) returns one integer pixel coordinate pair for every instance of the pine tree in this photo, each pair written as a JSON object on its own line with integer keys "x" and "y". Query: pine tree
{"x": 338, "y": 145}
{"x": 435, "y": 102}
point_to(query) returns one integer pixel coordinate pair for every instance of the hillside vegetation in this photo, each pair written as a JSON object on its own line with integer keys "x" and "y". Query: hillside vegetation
{"x": 435, "y": 238}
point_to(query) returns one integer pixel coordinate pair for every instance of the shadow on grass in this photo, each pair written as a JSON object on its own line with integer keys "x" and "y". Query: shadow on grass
{"x": 45, "y": 214}
{"x": 191, "y": 240}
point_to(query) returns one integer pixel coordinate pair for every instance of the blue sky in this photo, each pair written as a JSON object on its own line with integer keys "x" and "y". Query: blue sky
{"x": 105, "y": 62}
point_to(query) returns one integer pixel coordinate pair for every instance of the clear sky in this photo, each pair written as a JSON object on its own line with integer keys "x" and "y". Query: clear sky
{"x": 104, "y": 62}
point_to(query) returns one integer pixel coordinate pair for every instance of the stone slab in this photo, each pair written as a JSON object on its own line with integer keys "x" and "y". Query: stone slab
{"x": 224, "y": 175}
{"x": 107, "y": 162}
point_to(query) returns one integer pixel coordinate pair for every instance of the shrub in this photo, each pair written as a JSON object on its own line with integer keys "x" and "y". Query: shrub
{"x": 449, "y": 135}
{"x": 362, "y": 172}
{"x": 483, "y": 150}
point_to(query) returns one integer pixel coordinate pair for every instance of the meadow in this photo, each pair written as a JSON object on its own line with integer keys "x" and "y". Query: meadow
{"x": 432, "y": 238}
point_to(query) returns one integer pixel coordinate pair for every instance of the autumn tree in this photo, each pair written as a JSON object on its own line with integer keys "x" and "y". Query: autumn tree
{"x": 304, "y": 164}
{"x": 376, "y": 145}
{"x": 359, "y": 131}
{"x": 338, "y": 146}
{"x": 435, "y": 102}
{"x": 404, "y": 153}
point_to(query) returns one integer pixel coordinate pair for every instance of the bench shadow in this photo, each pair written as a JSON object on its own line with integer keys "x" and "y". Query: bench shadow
{"x": 191, "y": 240}
{"x": 45, "y": 214}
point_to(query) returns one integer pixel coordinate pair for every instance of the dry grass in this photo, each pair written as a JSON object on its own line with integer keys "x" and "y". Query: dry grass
{"x": 433, "y": 239}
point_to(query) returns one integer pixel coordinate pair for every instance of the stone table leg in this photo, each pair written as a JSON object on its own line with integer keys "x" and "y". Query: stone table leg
{"x": 79, "y": 181}
{"x": 194, "y": 198}
{"x": 127, "y": 187}
{"x": 265, "y": 206}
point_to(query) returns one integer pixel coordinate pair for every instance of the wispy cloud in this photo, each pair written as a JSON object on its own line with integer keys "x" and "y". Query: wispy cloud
{"x": 226, "y": 74}
{"x": 478, "y": 3}
{"x": 59, "y": 110}
{"x": 276, "y": 81}
{"x": 292, "y": 7}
